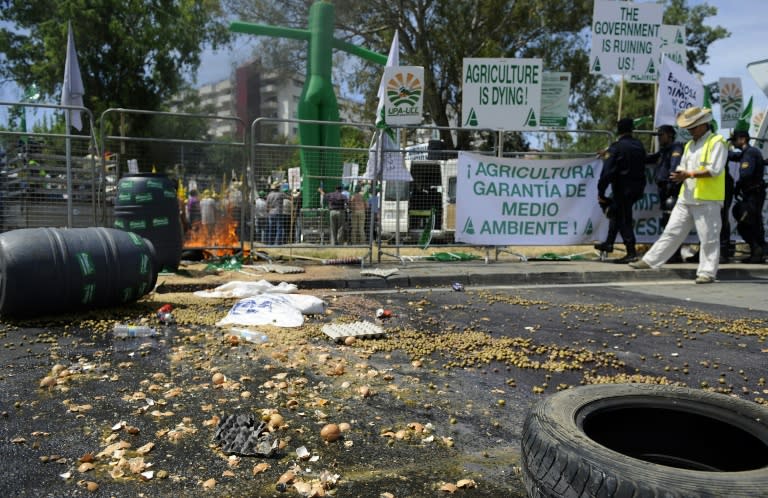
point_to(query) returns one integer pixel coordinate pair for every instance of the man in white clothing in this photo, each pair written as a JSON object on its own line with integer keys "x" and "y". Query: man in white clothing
{"x": 702, "y": 172}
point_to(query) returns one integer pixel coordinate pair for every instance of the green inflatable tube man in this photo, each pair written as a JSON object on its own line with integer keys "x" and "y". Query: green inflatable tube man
{"x": 318, "y": 100}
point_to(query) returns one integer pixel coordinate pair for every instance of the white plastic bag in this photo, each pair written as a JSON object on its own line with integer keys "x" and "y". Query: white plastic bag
{"x": 280, "y": 310}
{"x": 239, "y": 288}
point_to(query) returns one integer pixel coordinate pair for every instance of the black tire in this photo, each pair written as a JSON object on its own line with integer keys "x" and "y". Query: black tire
{"x": 636, "y": 440}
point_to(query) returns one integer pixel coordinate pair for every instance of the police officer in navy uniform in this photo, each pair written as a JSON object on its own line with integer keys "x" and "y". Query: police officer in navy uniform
{"x": 664, "y": 162}
{"x": 624, "y": 171}
{"x": 749, "y": 192}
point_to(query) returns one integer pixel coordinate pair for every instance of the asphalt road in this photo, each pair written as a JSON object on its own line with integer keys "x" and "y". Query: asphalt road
{"x": 439, "y": 400}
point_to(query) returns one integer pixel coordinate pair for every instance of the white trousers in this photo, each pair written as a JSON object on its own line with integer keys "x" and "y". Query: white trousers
{"x": 706, "y": 219}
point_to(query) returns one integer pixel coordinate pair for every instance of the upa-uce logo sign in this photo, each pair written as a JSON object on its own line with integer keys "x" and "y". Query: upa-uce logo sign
{"x": 404, "y": 91}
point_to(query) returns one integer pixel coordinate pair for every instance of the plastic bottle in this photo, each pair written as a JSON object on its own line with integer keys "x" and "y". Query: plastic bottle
{"x": 123, "y": 330}
{"x": 250, "y": 335}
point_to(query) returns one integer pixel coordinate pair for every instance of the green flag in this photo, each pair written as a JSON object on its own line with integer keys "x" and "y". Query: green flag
{"x": 708, "y": 105}
{"x": 745, "y": 118}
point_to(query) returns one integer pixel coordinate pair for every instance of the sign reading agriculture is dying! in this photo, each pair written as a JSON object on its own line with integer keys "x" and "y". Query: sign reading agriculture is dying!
{"x": 404, "y": 95}
{"x": 510, "y": 201}
{"x": 625, "y": 38}
{"x": 501, "y": 94}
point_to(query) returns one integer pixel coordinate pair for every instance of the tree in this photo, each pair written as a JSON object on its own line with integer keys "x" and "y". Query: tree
{"x": 438, "y": 35}
{"x": 132, "y": 53}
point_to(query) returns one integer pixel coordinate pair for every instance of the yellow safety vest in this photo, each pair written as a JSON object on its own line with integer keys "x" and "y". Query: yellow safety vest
{"x": 708, "y": 188}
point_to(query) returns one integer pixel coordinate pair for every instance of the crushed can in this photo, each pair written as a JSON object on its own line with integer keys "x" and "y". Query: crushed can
{"x": 457, "y": 286}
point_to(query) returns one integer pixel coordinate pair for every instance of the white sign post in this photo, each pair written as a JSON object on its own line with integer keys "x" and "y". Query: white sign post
{"x": 731, "y": 101}
{"x": 404, "y": 95}
{"x": 501, "y": 94}
{"x": 625, "y": 38}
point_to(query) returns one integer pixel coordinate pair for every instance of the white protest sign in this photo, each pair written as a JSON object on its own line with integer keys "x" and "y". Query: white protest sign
{"x": 509, "y": 201}
{"x": 731, "y": 101}
{"x": 625, "y": 37}
{"x": 671, "y": 44}
{"x": 555, "y": 90}
{"x": 678, "y": 90}
{"x": 404, "y": 95}
{"x": 501, "y": 94}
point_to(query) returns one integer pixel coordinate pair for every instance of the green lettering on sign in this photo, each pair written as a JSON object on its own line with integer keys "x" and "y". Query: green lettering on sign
{"x": 469, "y": 227}
{"x": 472, "y": 119}
{"x": 137, "y": 225}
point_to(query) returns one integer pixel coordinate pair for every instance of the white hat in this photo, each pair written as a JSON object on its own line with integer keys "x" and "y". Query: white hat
{"x": 693, "y": 117}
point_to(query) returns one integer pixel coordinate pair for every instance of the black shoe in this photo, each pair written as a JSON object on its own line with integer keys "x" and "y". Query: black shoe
{"x": 756, "y": 255}
{"x": 629, "y": 258}
{"x": 604, "y": 247}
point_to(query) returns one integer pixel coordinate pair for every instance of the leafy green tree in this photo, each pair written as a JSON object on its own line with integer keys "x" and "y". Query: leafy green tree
{"x": 132, "y": 53}
{"x": 438, "y": 35}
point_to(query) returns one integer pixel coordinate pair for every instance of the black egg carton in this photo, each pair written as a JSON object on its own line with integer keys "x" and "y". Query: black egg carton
{"x": 244, "y": 435}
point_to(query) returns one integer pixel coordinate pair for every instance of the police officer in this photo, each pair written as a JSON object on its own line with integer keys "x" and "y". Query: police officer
{"x": 624, "y": 171}
{"x": 749, "y": 192}
{"x": 665, "y": 161}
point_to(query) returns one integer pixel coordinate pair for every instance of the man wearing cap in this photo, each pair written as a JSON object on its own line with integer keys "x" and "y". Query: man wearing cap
{"x": 750, "y": 195}
{"x": 702, "y": 174}
{"x": 664, "y": 162}
{"x": 624, "y": 171}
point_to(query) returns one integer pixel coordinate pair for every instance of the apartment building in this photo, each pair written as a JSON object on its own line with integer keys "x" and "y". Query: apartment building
{"x": 252, "y": 93}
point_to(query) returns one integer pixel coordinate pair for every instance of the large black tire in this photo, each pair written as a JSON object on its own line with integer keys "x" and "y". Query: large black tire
{"x": 636, "y": 440}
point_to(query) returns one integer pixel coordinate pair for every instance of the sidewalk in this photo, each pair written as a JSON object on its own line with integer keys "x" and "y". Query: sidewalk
{"x": 441, "y": 274}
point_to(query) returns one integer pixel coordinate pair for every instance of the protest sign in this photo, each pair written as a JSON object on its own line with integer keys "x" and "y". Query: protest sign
{"x": 731, "y": 101}
{"x": 501, "y": 94}
{"x": 555, "y": 90}
{"x": 678, "y": 90}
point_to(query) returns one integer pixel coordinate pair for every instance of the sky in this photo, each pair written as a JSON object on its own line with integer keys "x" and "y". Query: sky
{"x": 727, "y": 58}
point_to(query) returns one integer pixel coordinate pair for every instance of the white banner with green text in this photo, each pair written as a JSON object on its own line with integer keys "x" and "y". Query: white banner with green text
{"x": 539, "y": 202}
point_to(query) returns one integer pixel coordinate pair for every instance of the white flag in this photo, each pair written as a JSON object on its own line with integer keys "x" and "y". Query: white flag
{"x": 678, "y": 90}
{"x": 394, "y": 169}
{"x": 72, "y": 90}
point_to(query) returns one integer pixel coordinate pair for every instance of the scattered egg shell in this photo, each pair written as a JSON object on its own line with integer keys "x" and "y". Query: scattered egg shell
{"x": 286, "y": 478}
{"x": 210, "y": 483}
{"x": 466, "y": 483}
{"x": 217, "y": 379}
{"x": 149, "y": 474}
{"x": 85, "y": 467}
{"x": 48, "y": 381}
{"x": 349, "y": 340}
{"x": 344, "y": 427}
{"x": 91, "y": 486}
{"x": 448, "y": 488}
{"x": 259, "y": 468}
{"x": 302, "y": 453}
